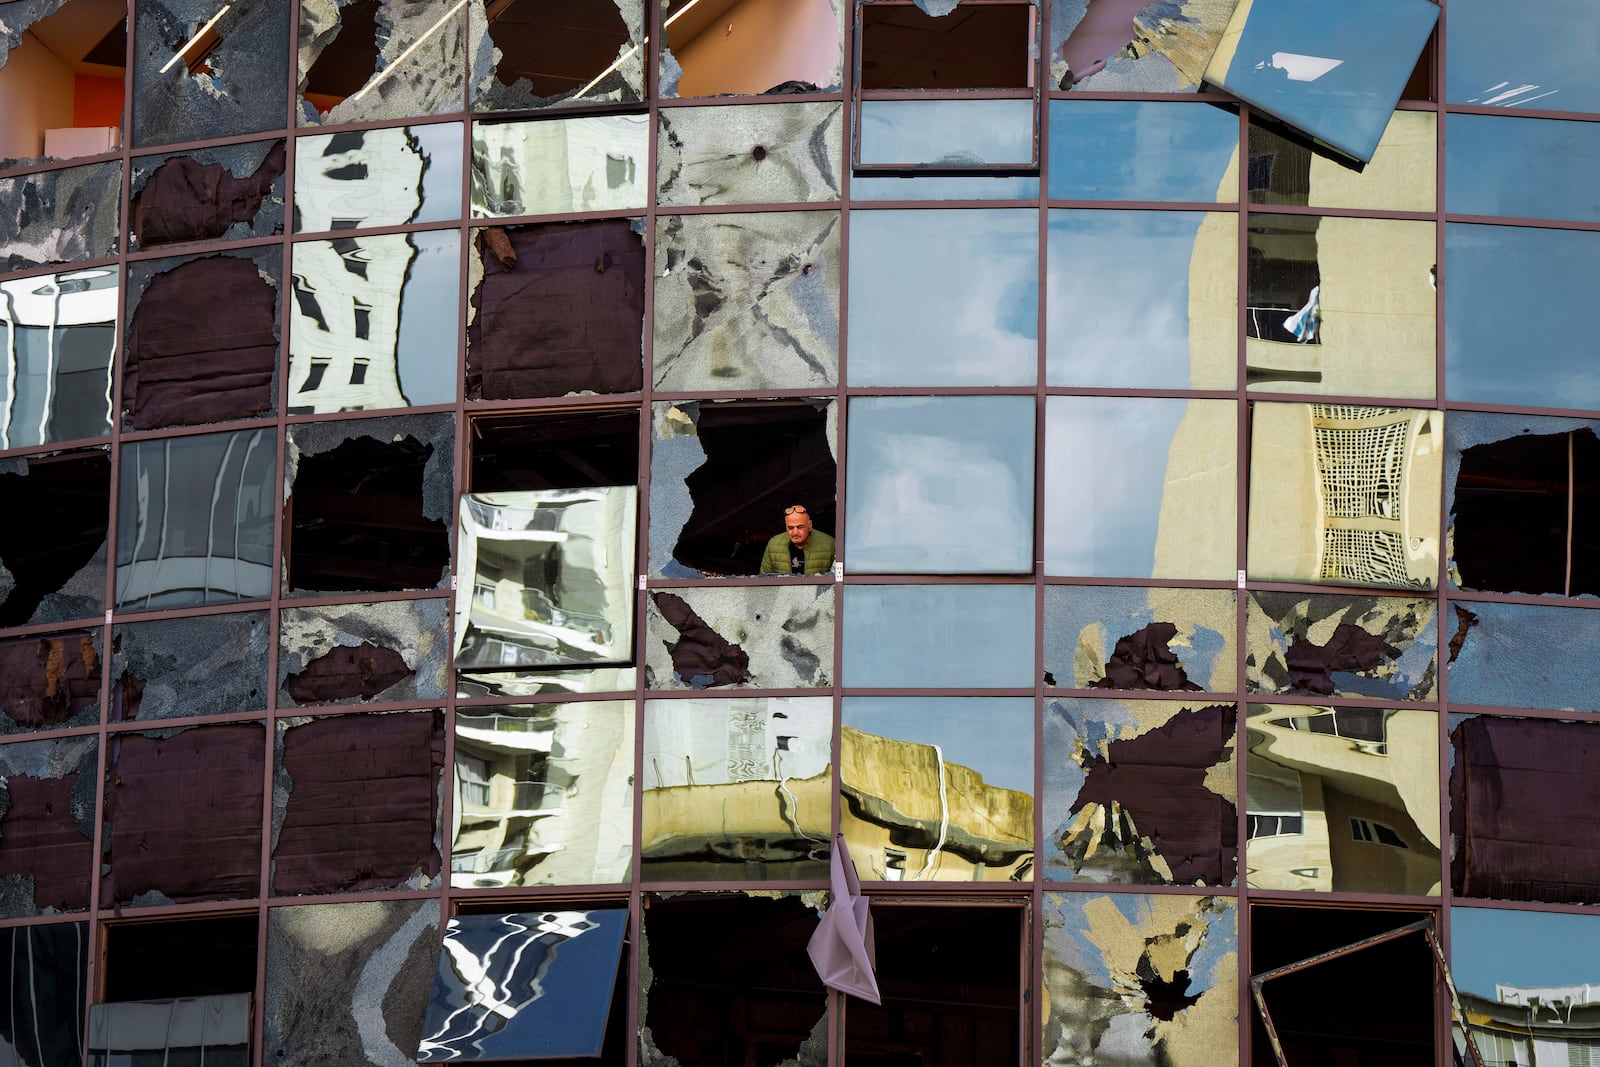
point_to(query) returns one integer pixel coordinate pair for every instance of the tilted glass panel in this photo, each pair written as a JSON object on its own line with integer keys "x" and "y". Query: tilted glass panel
{"x": 938, "y": 636}
{"x": 1110, "y": 637}
{"x": 1348, "y": 646}
{"x": 558, "y": 165}
{"x": 1542, "y": 58}
{"x": 941, "y": 134}
{"x": 57, "y": 337}
{"x": 387, "y": 177}
{"x": 383, "y": 59}
{"x": 1401, "y": 176}
{"x": 871, "y": 186}
{"x": 1119, "y": 150}
{"x": 213, "y": 1029}
{"x": 528, "y": 53}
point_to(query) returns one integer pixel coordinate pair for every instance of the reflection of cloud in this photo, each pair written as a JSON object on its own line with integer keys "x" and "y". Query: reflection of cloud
{"x": 916, "y": 505}
{"x": 1300, "y": 68}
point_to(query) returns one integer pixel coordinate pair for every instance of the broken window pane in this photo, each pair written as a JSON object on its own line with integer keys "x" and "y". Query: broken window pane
{"x": 1543, "y": 54}
{"x": 1105, "y": 637}
{"x": 938, "y": 46}
{"x": 546, "y": 578}
{"x": 53, "y": 566}
{"x": 534, "y": 984}
{"x": 1141, "y": 299}
{"x": 547, "y": 683}
{"x": 368, "y": 503}
{"x": 914, "y": 321}
{"x": 375, "y": 322}
{"x": 1342, "y": 799}
{"x": 1345, "y": 494}
{"x": 908, "y": 635}
{"x": 958, "y": 804}
{"x": 1140, "y": 792}
{"x": 43, "y": 984}
{"x": 1126, "y": 46}
{"x": 1168, "y": 515}
{"x": 173, "y": 668}
{"x": 1140, "y": 980}
{"x": 58, "y": 333}
{"x": 573, "y": 449}
{"x": 1491, "y": 662}
{"x": 879, "y": 186}
{"x": 947, "y": 134}
{"x": 750, "y": 48}
{"x": 379, "y": 59}
{"x": 940, "y": 485}
{"x": 151, "y": 843}
{"x": 356, "y": 803}
{"x": 772, "y": 154}
{"x": 202, "y": 71}
{"x": 1122, "y": 150}
{"x": 60, "y": 216}
{"x": 177, "y": 548}
{"x": 543, "y": 795}
{"x": 760, "y": 637}
{"x": 50, "y": 681}
{"x": 1348, "y": 646}
{"x": 226, "y": 193}
{"x": 710, "y": 1000}
{"x": 736, "y": 789}
{"x": 1342, "y": 96}
{"x": 47, "y": 828}
{"x": 214, "y": 1028}
{"x": 747, "y": 302}
{"x": 1496, "y": 273}
{"x": 319, "y": 1002}
{"x": 556, "y": 309}
{"x": 1341, "y": 305}
{"x": 721, "y": 475}
{"x": 181, "y": 957}
{"x": 388, "y": 177}
{"x": 557, "y": 165}
{"x": 528, "y": 54}
{"x": 354, "y": 653}
{"x": 62, "y": 67}
{"x": 202, "y": 339}
{"x": 1286, "y": 168}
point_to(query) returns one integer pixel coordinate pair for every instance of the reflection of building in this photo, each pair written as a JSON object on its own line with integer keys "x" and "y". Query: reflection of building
{"x": 57, "y": 336}
{"x": 1535, "y": 1027}
{"x": 581, "y": 165}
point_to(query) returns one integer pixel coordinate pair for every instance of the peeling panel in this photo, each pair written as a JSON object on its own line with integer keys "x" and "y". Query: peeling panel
{"x": 1134, "y": 46}
{"x": 227, "y": 193}
{"x": 747, "y": 301}
{"x": 525, "y": 58}
{"x": 1140, "y": 792}
{"x": 1349, "y": 646}
{"x": 58, "y": 336}
{"x": 47, "y": 811}
{"x": 60, "y": 216}
{"x": 1524, "y": 656}
{"x": 415, "y": 630}
{"x": 1141, "y": 980}
{"x": 174, "y": 668}
{"x": 43, "y": 985}
{"x": 50, "y": 681}
{"x": 1106, "y": 637}
{"x": 774, "y": 154}
{"x": 345, "y": 76}
{"x": 53, "y": 567}
{"x": 763, "y": 637}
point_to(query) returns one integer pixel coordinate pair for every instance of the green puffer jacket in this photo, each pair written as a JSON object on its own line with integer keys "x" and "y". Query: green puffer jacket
{"x": 819, "y": 554}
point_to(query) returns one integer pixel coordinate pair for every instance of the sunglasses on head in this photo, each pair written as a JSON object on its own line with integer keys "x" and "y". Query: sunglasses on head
{"x": 798, "y": 509}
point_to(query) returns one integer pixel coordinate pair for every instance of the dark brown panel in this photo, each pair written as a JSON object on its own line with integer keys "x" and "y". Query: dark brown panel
{"x": 44, "y": 681}
{"x": 40, "y": 839}
{"x": 185, "y": 200}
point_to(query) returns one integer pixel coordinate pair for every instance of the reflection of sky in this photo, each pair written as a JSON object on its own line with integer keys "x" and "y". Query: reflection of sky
{"x": 1118, "y": 612}
{"x": 1070, "y": 944}
{"x": 441, "y": 178}
{"x": 1522, "y": 948}
{"x": 1118, "y": 304}
{"x": 1529, "y": 168}
{"x": 1495, "y": 665}
{"x": 1549, "y": 45}
{"x": 1114, "y": 150}
{"x": 958, "y": 132}
{"x": 673, "y": 457}
{"x": 924, "y": 187}
{"x": 1528, "y": 292}
{"x": 991, "y": 735}
{"x": 428, "y": 319}
{"x": 937, "y": 636}
{"x": 944, "y": 297}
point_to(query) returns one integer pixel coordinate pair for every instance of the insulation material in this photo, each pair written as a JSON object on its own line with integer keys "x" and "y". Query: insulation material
{"x": 59, "y": 216}
{"x": 53, "y": 566}
{"x": 414, "y": 630}
{"x": 774, "y": 154}
{"x": 231, "y": 192}
{"x": 763, "y": 637}
{"x": 50, "y": 681}
{"x": 1350, "y": 646}
{"x": 173, "y": 668}
{"x": 47, "y": 803}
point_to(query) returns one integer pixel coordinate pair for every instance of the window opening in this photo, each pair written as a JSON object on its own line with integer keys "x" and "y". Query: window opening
{"x": 62, "y": 86}
{"x": 720, "y": 47}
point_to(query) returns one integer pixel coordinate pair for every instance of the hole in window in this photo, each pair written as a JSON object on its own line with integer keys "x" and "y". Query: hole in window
{"x": 569, "y": 450}
{"x": 720, "y": 47}
{"x": 976, "y": 46}
{"x": 348, "y": 61}
{"x": 556, "y": 49}
{"x": 65, "y": 497}
{"x": 62, "y": 86}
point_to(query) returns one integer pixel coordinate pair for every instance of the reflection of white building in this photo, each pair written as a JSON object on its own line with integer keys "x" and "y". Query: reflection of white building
{"x": 57, "y": 335}
{"x": 589, "y": 164}
{"x": 1527, "y": 1026}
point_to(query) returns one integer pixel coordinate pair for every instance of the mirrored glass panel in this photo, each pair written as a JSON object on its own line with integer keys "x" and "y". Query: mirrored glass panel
{"x": 551, "y": 578}
{"x": 758, "y": 637}
{"x": 750, "y": 49}
{"x": 1129, "y": 46}
{"x": 48, "y": 827}
{"x": 527, "y": 53}
{"x": 56, "y": 561}
{"x": 1482, "y": 179}
{"x": 43, "y": 986}
{"x": 225, "y": 193}
{"x": 940, "y": 485}
{"x": 915, "y": 321}
{"x": 215, "y": 1028}
{"x": 1141, "y": 300}
{"x": 559, "y": 165}
{"x": 870, "y": 186}
{"x": 1490, "y": 661}
{"x": 1348, "y": 646}
{"x": 209, "y": 71}
{"x": 58, "y": 333}
{"x": 355, "y": 653}
{"x": 173, "y": 668}
{"x": 1117, "y": 150}
{"x": 771, "y": 154}
{"x": 946, "y": 134}
{"x": 387, "y": 177}
{"x": 1342, "y": 800}
{"x": 379, "y": 59}
{"x": 60, "y": 216}
{"x": 1540, "y": 59}
{"x": 736, "y": 789}
{"x": 909, "y": 635}
{"x": 1160, "y": 474}
{"x": 1345, "y": 494}
{"x": 1288, "y": 168}
{"x": 938, "y": 788}
{"x": 1110, "y": 637}
{"x": 544, "y": 683}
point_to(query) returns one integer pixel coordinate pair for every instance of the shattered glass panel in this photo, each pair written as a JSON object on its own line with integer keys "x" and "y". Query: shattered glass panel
{"x": 1106, "y": 637}
{"x": 1142, "y": 299}
{"x": 870, "y": 186}
{"x": 388, "y": 177}
{"x": 1385, "y": 648}
{"x": 355, "y": 653}
{"x": 227, "y": 193}
{"x": 1342, "y": 800}
{"x": 379, "y": 59}
{"x": 178, "y": 548}
{"x": 773, "y": 154}
{"x": 558, "y": 165}
{"x": 1343, "y": 95}
{"x": 736, "y": 789}
{"x": 546, "y": 578}
{"x": 1123, "y": 150}
{"x": 914, "y": 321}
{"x": 1341, "y": 305}
{"x": 1140, "y": 792}
{"x": 60, "y": 216}
{"x": 747, "y": 302}
{"x": 348, "y": 983}
{"x": 215, "y": 1028}
{"x": 200, "y": 70}
{"x": 47, "y": 828}
{"x": 906, "y": 636}
{"x": 938, "y": 788}
{"x": 174, "y": 668}
{"x": 1169, "y": 515}
{"x": 543, "y": 794}
{"x": 1484, "y": 147}
{"x": 202, "y": 340}
{"x": 939, "y": 134}
{"x": 373, "y": 316}
{"x": 44, "y": 981}
{"x": 50, "y": 681}
{"x": 1544, "y": 54}
{"x": 544, "y": 683}
{"x": 1140, "y": 980}
{"x": 53, "y": 566}
{"x": 524, "y": 985}
{"x": 528, "y": 54}
{"x": 1133, "y": 46}
{"x": 1498, "y": 272}
{"x": 759, "y": 637}
{"x": 1502, "y": 655}
{"x": 1345, "y": 494}
{"x": 555, "y": 448}
{"x": 58, "y": 333}
{"x": 1289, "y": 169}
{"x": 764, "y": 47}
{"x": 940, "y": 485}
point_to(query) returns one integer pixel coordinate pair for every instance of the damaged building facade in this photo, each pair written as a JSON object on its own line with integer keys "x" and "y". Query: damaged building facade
{"x": 399, "y": 399}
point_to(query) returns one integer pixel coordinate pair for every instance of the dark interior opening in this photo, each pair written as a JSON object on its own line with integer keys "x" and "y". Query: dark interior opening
{"x": 564, "y": 450}
{"x": 976, "y": 46}
{"x": 559, "y": 48}
{"x": 61, "y": 514}
{"x": 1510, "y": 513}
{"x": 187, "y": 958}
{"x": 349, "y": 60}
{"x": 1280, "y": 272}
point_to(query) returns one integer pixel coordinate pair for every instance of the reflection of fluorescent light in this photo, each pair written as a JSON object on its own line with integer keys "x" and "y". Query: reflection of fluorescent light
{"x": 201, "y": 32}
{"x": 401, "y": 58}
{"x": 598, "y": 78}
{"x": 1301, "y": 68}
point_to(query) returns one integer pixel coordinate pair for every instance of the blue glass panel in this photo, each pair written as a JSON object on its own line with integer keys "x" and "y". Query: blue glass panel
{"x": 1112, "y": 150}
{"x": 947, "y": 133}
{"x": 906, "y": 635}
{"x": 934, "y": 187}
{"x": 1531, "y": 168}
{"x": 1512, "y": 56}
{"x": 1499, "y": 951}
{"x": 1524, "y": 656}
